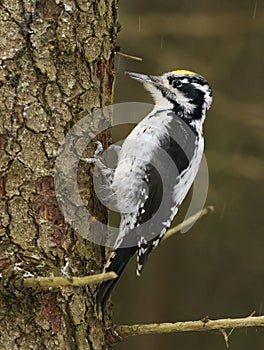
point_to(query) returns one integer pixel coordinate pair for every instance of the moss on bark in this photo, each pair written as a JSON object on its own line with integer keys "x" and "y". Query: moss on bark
{"x": 56, "y": 65}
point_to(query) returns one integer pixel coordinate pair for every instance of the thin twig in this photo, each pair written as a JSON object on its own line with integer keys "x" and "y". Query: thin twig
{"x": 252, "y": 313}
{"x": 135, "y": 58}
{"x": 188, "y": 222}
{"x": 226, "y": 336}
{"x": 125, "y": 331}
{"x": 62, "y": 281}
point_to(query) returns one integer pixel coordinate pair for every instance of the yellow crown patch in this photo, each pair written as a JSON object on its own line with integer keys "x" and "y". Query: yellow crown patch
{"x": 183, "y": 71}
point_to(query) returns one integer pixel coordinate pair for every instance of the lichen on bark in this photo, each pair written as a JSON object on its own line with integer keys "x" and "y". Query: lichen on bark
{"x": 56, "y": 65}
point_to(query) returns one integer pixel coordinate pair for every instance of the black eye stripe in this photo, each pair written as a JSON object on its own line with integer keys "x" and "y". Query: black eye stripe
{"x": 193, "y": 79}
{"x": 175, "y": 82}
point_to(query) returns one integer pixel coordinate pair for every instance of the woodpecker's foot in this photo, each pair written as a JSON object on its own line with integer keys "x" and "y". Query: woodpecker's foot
{"x": 99, "y": 150}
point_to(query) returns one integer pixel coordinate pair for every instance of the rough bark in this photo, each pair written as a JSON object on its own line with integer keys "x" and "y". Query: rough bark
{"x": 56, "y": 64}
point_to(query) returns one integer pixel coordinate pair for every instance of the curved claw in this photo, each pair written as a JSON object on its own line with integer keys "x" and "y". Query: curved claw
{"x": 99, "y": 150}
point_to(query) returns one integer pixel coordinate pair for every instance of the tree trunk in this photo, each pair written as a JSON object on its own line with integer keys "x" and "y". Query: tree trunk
{"x": 57, "y": 60}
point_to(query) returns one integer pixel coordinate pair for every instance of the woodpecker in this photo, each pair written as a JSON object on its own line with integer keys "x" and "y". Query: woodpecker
{"x": 156, "y": 167}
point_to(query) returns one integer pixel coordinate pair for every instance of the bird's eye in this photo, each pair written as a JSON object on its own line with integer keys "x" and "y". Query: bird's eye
{"x": 176, "y": 83}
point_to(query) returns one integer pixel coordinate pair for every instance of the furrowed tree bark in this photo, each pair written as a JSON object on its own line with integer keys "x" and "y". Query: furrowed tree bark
{"x": 56, "y": 65}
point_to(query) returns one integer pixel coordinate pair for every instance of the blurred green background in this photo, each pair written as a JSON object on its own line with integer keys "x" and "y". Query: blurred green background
{"x": 217, "y": 268}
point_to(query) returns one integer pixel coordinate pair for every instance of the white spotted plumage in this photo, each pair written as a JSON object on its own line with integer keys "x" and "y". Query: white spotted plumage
{"x": 182, "y": 99}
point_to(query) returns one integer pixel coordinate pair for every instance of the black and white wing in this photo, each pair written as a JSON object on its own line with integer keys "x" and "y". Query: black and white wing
{"x": 153, "y": 184}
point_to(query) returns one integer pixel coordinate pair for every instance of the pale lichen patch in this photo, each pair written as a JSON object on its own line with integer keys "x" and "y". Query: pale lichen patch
{"x": 11, "y": 40}
{"x": 92, "y": 48}
{"x": 16, "y": 176}
{"x": 22, "y": 228}
{"x": 36, "y": 118}
{"x": 32, "y": 154}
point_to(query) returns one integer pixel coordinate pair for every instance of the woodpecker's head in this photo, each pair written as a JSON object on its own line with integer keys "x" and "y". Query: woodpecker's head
{"x": 180, "y": 90}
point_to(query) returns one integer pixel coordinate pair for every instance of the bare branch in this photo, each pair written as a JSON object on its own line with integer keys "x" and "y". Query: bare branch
{"x": 135, "y": 58}
{"x": 188, "y": 222}
{"x": 125, "y": 331}
{"x": 62, "y": 281}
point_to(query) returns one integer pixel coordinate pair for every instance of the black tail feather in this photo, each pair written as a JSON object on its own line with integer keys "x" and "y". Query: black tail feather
{"x": 118, "y": 264}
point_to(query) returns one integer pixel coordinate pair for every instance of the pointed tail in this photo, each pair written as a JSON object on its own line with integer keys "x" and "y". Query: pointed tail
{"x": 117, "y": 263}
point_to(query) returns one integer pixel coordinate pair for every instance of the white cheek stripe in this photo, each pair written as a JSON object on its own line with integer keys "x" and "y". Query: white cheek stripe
{"x": 184, "y": 102}
{"x": 203, "y": 88}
